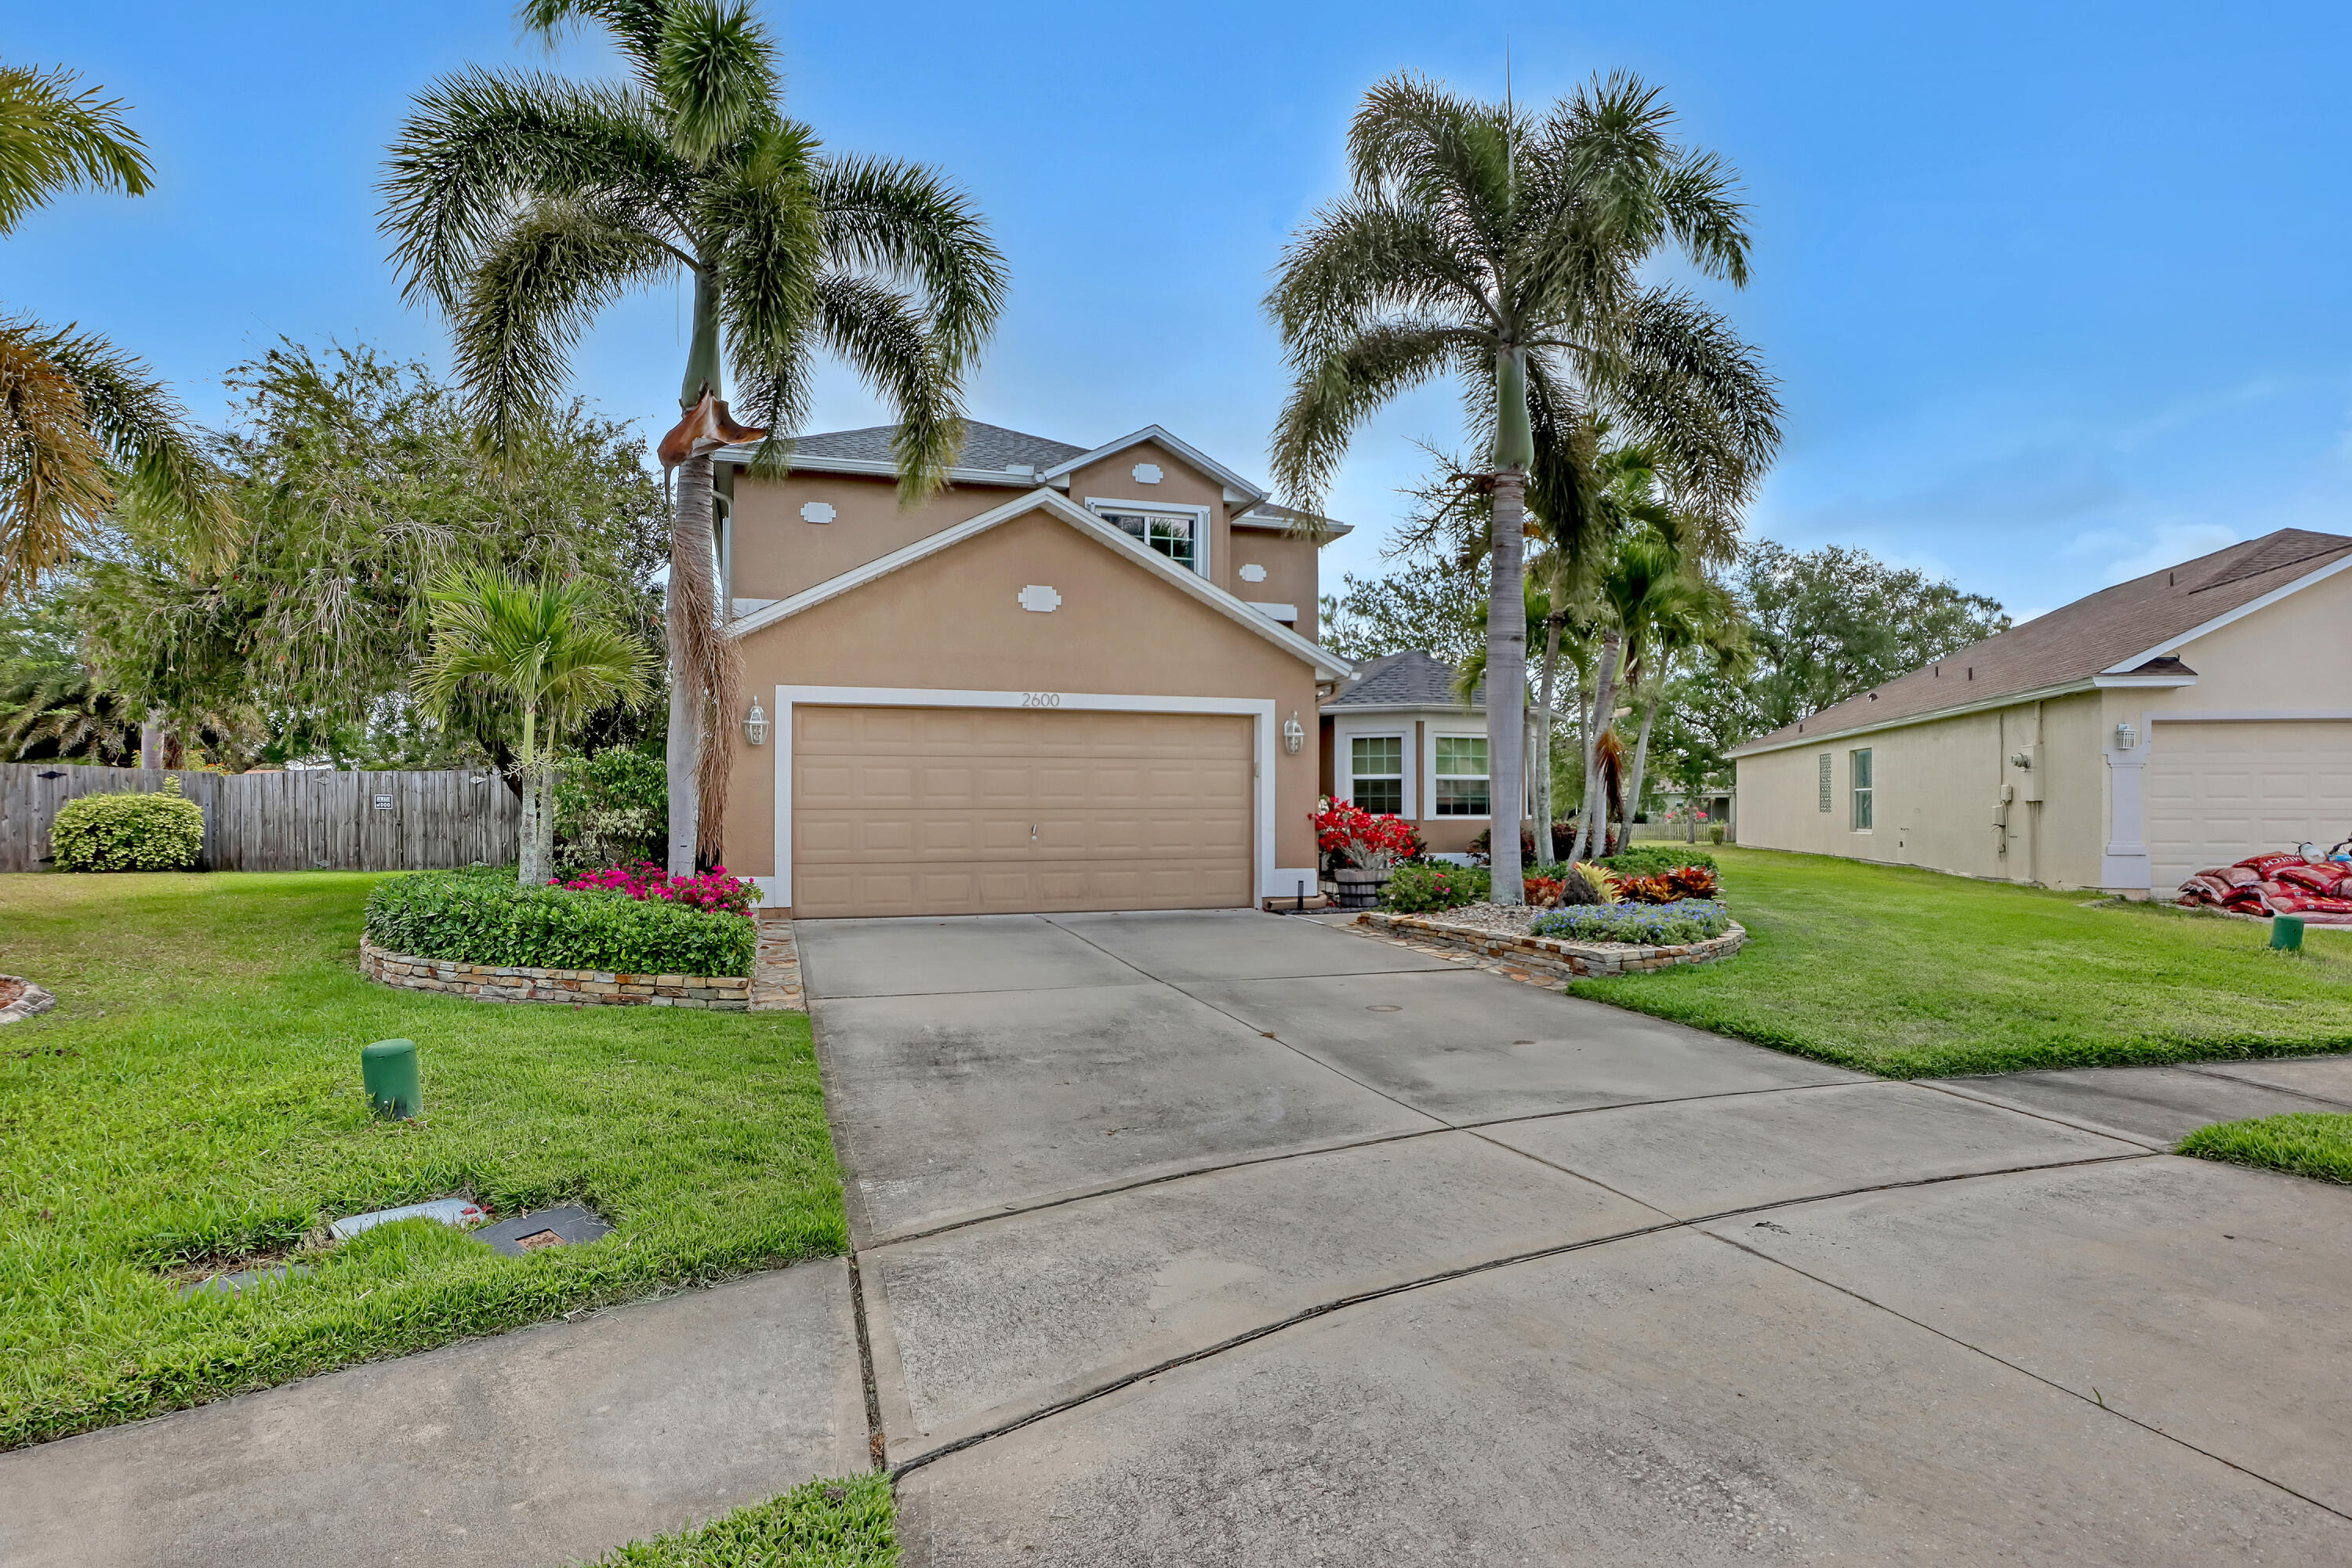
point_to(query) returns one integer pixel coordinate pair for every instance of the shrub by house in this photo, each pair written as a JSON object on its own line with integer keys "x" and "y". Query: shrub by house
{"x": 476, "y": 919}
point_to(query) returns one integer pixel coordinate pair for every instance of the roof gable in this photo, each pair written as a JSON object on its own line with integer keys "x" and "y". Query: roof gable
{"x": 1413, "y": 678}
{"x": 2111, "y": 634}
{"x": 1325, "y": 664}
{"x": 1245, "y": 494}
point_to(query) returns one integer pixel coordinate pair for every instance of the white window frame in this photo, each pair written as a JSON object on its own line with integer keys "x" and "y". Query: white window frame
{"x": 1270, "y": 880}
{"x": 1863, "y": 797}
{"x": 1346, "y": 747}
{"x": 1199, "y": 515}
{"x": 1429, "y": 772}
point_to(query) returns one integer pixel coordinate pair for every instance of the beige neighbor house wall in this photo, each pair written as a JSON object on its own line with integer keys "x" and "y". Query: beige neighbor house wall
{"x": 952, "y": 621}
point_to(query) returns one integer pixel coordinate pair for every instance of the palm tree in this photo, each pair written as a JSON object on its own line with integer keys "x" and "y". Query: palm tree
{"x": 84, "y": 429}
{"x": 522, "y": 204}
{"x": 1506, "y": 251}
{"x": 541, "y": 647}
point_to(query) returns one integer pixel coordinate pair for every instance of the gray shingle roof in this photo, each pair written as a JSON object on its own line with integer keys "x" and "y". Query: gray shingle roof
{"x": 984, "y": 447}
{"x": 1412, "y": 678}
{"x": 2083, "y": 639}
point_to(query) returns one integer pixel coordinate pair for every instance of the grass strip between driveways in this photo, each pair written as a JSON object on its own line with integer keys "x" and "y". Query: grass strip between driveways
{"x": 2301, "y": 1144}
{"x": 849, "y": 1523}
{"x": 193, "y": 1100}
{"x": 1912, "y": 974}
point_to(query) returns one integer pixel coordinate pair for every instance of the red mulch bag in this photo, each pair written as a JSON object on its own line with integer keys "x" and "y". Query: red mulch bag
{"x": 2238, "y": 876}
{"x": 2205, "y": 888}
{"x": 2294, "y": 904}
{"x": 2264, "y": 865}
{"x": 2250, "y": 900}
{"x": 2317, "y": 877}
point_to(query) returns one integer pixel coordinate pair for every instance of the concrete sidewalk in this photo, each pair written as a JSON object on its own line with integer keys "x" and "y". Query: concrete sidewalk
{"x": 1231, "y": 1239}
{"x": 539, "y": 1446}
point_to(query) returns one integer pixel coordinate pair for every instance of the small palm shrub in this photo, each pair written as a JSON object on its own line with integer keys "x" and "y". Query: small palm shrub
{"x": 1650, "y": 925}
{"x": 1417, "y": 890}
{"x": 159, "y": 832}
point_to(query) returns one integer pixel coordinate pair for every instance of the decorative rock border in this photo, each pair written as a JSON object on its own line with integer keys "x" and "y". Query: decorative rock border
{"x": 603, "y": 987}
{"x": 1551, "y": 955}
{"x": 776, "y": 970}
{"x": 33, "y": 1000}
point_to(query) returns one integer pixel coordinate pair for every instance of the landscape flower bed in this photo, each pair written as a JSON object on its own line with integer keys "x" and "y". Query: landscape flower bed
{"x": 1683, "y": 921}
{"x": 716, "y": 890}
{"x": 482, "y": 919}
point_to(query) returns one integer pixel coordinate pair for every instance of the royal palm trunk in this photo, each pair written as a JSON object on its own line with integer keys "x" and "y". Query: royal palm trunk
{"x": 1507, "y": 629}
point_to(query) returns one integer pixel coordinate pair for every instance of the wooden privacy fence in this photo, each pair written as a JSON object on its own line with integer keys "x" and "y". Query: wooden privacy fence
{"x": 307, "y": 821}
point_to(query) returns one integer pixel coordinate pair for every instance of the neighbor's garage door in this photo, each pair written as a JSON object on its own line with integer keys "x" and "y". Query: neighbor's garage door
{"x": 925, "y": 811}
{"x": 2217, "y": 792}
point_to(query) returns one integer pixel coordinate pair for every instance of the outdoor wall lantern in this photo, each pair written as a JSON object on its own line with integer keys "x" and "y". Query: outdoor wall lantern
{"x": 1294, "y": 734}
{"x": 2126, "y": 736}
{"x": 755, "y": 728}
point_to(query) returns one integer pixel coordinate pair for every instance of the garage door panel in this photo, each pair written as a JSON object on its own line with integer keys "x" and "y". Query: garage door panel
{"x": 920, "y": 811}
{"x": 2218, "y": 792}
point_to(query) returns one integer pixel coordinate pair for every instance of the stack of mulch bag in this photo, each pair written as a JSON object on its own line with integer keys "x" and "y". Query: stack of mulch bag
{"x": 2318, "y": 890}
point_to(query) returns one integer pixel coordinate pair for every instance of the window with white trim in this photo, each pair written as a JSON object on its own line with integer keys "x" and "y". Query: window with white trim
{"x": 1175, "y": 534}
{"x": 1376, "y": 773}
{"x": 1861, "y": 776}
{"x": 1825, "y": 782}
{"x": 1460, "y": 776}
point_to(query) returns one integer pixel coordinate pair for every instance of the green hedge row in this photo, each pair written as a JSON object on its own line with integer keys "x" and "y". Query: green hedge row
{"x": 477, "y": 919}
{"x": 162, "y": 831}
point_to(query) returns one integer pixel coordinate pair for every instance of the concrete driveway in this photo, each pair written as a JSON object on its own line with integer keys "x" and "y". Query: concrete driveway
{"x": 1231, "y": 1239}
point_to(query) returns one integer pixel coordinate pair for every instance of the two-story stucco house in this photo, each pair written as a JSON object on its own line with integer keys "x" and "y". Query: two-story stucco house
{"x": 1078, "y": 677}
{"x": 2180, "y": 720}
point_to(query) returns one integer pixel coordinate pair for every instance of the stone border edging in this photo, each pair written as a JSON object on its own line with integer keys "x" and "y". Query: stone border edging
{"x": 608, "y": 988}
{"x": 33, "y": 1000}
{"x": 1568, "y": 960}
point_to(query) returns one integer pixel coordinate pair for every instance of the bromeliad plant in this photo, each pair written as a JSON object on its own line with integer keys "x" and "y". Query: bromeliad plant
{"x": 1368, "y": 840}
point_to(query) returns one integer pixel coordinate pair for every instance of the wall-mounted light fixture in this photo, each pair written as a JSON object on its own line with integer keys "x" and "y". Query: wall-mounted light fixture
{"x": 1294, "y": 734}
{"x": 755, "y": 728}
{"x": 2126, "y": 735}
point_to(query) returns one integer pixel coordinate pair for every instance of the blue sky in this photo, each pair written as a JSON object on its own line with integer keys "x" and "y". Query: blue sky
{"x": 2055, "y": 293}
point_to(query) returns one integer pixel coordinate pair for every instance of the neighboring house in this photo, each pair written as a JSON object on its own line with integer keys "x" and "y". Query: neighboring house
{"x": 1076, "y": 678}
{"x": 1396, "y": 739}
{"x": 2180, "y": 720}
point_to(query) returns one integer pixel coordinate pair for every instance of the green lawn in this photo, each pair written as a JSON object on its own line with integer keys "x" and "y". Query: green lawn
{"x": 849, "y": 1523}
{"x": 1914, "y": 974}
{"x": 2302, "y": 1144}
{"x": 195, "y": 1098}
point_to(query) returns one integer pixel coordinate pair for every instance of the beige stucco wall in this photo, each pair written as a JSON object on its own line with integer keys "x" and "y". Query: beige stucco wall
{"x": 1112, "y": 478}
{"x": 1936, "y": 785}
{"x": 952, "y": 621}
{"x": 1293, "y": 573}
{"x": 777, "y": 553}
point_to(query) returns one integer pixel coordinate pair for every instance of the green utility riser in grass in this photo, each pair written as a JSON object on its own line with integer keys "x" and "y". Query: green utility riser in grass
{"x": 395, "y": 1088}
{"x": 2286, "y": 933}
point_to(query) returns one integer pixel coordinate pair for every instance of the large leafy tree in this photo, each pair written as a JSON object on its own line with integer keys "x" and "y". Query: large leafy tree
{"x": 357, "y": 483}
{"x": 521, "y": 204}
{"x": 84, "y": 429}
{"x": 1506, "y": 251}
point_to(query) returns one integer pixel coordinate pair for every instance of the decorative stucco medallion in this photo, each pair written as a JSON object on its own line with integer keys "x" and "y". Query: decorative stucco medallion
{"x": 818, "y": 511}
{"x": 1145, "y": 473}
{"x": 1038, "y": 597}
{"x": 1253, "y": 574}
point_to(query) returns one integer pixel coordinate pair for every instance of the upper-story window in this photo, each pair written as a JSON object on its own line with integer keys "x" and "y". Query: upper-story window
{"x": 1175, "y": 534}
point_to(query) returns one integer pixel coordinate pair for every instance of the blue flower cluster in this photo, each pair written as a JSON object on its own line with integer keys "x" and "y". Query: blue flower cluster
{"x": 1652, "y": 925}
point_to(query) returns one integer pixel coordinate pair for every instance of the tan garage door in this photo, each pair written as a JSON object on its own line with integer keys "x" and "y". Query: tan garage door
{"x": 2217, "y": 792}
{"x": 923, "y": 811}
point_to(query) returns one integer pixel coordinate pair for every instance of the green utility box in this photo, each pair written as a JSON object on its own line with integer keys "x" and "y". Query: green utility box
{"x": 2286, "y": 933}
{"x": 388, "y": 1068}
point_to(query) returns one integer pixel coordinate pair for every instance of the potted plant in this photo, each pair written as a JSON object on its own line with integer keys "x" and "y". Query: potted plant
{"x": 1368, "y": 845}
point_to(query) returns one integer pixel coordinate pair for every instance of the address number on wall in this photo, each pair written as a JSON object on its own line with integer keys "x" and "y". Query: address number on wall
{"x": 1041, "y": 700}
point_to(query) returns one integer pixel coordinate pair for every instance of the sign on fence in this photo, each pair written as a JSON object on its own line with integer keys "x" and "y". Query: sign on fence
{"x": 307, "y": 821}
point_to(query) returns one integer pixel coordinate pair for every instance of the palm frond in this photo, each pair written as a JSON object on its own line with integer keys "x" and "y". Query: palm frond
{"x": 878, "y": 332}
{"x": 476, "y": 146}
{"x": 1359, "y": 260}
{"x": 54, "y": 138}
{"x": 715, "y": 73}
{"x": 173, "y": 483}
{"x": 768, "y": 249}
{"x": 1327, "y": 402}
{"x": 532, "y": 293}
{"x": 53, "y": 481}
{"x": 636, "y": 27}
{"x": 1414, "y": 143}
{"x": 1701, "y": 398}
{"x": 911, "y": 227}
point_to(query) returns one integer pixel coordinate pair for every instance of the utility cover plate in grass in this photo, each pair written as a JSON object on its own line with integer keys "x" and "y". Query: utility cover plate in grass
{"x": 569, "y": 1225}
{"x": 448, "y": 1211}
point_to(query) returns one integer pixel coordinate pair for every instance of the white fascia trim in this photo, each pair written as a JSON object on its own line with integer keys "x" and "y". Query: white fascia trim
{"x": 1277, "y": 611}
{"x": 776, "y": 892}
{"x": 1325, "y": 664}
{"x": 1324, "y": 533}
{"x": 877, "y": 468}
{"x": 1341, "y": 710}
{"x": 2039, "y": 694}
{"x": 2114, "y": 682}
{"x": 1252, "y": 495}
{"x": 2173, "y": 644}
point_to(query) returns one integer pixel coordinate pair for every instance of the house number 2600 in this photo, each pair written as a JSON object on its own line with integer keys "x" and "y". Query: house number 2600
{"x": 1041, "y": 700}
